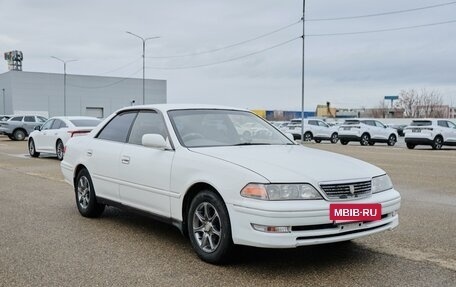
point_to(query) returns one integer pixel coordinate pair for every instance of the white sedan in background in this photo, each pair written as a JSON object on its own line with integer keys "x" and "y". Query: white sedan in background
{"x": 52, "y": 136}
{"x": 190, "y": 166}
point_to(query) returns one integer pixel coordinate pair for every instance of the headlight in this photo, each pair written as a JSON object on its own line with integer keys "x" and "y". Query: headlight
{"x": 381, "y": 183}
{"x": 280, "y": 191}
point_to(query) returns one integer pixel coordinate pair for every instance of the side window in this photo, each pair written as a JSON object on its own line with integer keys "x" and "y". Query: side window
{"x": 379, "y": 124}
{"x": 62, "y": 125}
{"x": 442, "y": 124}
{"x": 451, "y": 125}
{"x": 147, "y": 122}
{"x": 41, "y": 119}
{"x": 47, "y": 125}
{"x": 16, "y": 119}
{"x": 322, "y": 124}
{"x": 369, "y": 123}
{"x": 117, "y": 129}
{"x": 313, "y": 123}
{"x": 29, "y": 119}
{"x": 56, "y": 124}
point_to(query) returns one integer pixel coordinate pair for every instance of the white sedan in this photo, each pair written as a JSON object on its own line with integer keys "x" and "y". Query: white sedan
{"x": 55, "y": 132}
{"x": 190, "y": 166}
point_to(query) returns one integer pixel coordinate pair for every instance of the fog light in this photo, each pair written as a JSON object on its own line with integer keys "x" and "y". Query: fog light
{"x": 271, "y": 229}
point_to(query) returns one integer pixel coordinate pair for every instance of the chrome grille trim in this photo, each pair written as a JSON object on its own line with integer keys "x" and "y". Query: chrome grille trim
{"x": 341, "y": 191}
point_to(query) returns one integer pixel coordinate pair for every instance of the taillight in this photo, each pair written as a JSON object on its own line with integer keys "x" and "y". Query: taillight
{"x": 77, "y": 133}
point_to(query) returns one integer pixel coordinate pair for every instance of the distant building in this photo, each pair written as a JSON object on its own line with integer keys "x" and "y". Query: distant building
{"x": 42, "y": 93}
{"x": 325, "y": 111}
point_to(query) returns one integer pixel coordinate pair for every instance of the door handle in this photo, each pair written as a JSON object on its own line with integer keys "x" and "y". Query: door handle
{"x": 125, "y": 159}
{"x": 89, "y": 152}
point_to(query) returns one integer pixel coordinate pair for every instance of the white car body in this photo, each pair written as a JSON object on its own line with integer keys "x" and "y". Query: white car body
{"x": 433, "y": 132}
{"x": 59, "y": 129}
{"x": 314, "y": 129}
{"x": 161, "y": 181}
{"x": 367, "y": 131}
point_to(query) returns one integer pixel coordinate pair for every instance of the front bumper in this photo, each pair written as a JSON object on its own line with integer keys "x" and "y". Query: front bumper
{"x": 309, "y": 221}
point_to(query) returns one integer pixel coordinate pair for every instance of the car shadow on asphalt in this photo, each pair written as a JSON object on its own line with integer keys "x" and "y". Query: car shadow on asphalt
{"x": 317, "y": 256}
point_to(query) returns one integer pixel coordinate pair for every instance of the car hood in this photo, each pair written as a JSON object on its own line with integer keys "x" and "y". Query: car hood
{"x": 293, "y": 163}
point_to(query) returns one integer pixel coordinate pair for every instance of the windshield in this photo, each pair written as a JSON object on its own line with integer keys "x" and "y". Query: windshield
{"x": 85, "y": 123}
{"x": 204, "y": 128}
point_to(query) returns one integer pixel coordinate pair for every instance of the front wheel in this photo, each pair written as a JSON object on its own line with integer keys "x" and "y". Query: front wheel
{"x": 318, "y": 141}
{"x": 209, "y": 227}
{"x": 19, "y": 135}
{"x": 86, "y": 200}
{"x": 32, "y": 149}
{"x": 334, "y": 138}
{"x": 392, "y": 140}
{"x": 410, "y": 146}
{"x": 344, "y": 142}
{"x": 307, "y": 137}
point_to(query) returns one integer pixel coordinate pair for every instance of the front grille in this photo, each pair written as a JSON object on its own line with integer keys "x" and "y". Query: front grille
{"x": 347, "y": 190}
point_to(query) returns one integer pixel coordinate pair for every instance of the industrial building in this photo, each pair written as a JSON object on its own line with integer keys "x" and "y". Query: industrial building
{"x": 50, "y": 94}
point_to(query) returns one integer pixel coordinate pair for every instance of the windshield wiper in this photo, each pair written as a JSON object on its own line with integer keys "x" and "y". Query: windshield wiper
{"x": 247, "y": 143}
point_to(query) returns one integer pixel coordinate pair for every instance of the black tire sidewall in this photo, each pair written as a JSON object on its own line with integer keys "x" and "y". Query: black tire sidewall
{"x": 59, "y": 142}
{"x": 93, "y": 209}
{"x": 220, "y": 255}
{"x": 34, "y": 154}
{"x": 392, "y": 140}
{"x": 19, "y": 131}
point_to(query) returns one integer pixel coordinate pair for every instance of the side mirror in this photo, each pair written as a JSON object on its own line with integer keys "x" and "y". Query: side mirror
{"x": 154, "y": 141}
{"x": 37, "y": 128}
{"x": 290, "y": 136}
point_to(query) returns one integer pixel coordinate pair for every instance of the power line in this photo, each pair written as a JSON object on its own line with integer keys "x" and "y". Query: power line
{"x": 121, "y": 67}
{"x": 108, "y": 85}
{"x": 380, "y": 30}
{"x": 228, "y": 46}
{"x": 227, "y": 60}
{"x": 382, "y": 14}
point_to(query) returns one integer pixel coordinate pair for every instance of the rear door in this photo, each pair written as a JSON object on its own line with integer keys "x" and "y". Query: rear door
{"x": 452, "y": 137}
{"x": 103, "y": 154}
{"x": 381, "y": 130}
{"x": 445, "y": 130}
{"x": 145, "y": 172}
{"x": 325, "y": 129}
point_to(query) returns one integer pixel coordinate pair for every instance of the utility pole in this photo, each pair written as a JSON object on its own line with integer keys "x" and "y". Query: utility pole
{"x": 302, "y": 73}
{"x": 64, "y": 81}
{"x": 144, "y": 62}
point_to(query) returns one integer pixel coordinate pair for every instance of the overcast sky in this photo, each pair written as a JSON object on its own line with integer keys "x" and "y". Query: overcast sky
{"x": 349, "y": 71}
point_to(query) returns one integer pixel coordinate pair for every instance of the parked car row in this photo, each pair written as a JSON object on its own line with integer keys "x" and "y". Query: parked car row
{"x": 433, "y": 132}
{"x": 19, "y": 127}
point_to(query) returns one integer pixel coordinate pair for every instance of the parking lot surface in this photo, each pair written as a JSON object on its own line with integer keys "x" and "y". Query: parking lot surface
{"x": 45, "y": 242}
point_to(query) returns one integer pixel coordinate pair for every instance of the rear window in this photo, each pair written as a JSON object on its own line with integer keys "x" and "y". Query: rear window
{"x": 85, "y": 123}
{"x": 351, "y": 122}
{"x": 421, "y": 123}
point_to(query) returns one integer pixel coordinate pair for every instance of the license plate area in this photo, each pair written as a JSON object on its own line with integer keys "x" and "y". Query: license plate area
{"x": 416, "y": 130}
{"x": 346, "y": 129}
{"x": 359, "y": 212}
{"x": 350, "y": 226}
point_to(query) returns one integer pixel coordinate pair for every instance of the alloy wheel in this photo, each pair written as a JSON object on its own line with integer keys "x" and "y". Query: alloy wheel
{"x": 207, "y": 227}
{"x": 83, "y": 192}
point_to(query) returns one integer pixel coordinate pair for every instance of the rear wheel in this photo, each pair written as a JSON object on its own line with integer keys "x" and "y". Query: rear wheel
{"x": 32, "y": 149}
{"x": 307, "y": 137}
{"x": 334, "y": 138}
{"x": 371, "y": 143}
{"x": 437, "y": 143}
{"x": 318, "y": 141}
{"x": 209, "y": 227}
{"x": 11, "y": 137}
{"x": 344, "y": 142}
{"x": 19, "y": 135}
{"x": 410, "y": 146}
{"x": 392, "y": 140}
{"x": 365, "y": 139}
{"x": 59, "y": 148}
{"x": 86, "y": 200}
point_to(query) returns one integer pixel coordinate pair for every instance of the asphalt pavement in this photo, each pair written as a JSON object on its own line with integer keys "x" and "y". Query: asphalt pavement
{"x": 45, "y": 242}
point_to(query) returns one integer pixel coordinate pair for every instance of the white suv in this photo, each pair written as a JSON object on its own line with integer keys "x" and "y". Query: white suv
{"x": 314, "y": 129}
{"x": 435, "y": 133}
{"x": 367, "y": 132}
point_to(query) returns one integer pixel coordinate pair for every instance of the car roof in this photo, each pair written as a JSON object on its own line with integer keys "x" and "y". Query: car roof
{"x": 69, "y": 118}
{"x": 172, "y": 107}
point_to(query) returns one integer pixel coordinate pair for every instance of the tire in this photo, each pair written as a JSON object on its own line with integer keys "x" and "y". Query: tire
{"x": 308, "y": 137}
{"x": 371, "y": 143}
{"x": 19, "y": 135}
{"x": 344, "y": 142}
{"x": 410, "y": 146}
{"x": 365, "y": 139}
{"x": 318, "y": 141}
{"x": 59, "y": 148}
{"x": 334, "y": 138}
{"x": 11, "y": 137}
{"x": 32, "y": 149}
{"x": 437, "y": 143}
{"x": 207, "y": 216}
{"x": 392, "y": 140}
{"x": 86, "y": 200}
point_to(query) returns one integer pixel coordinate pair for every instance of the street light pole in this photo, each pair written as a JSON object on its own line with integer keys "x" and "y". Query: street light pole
{"x": 144, "y": 62}
{"x": 302, "y": 73}
{"x": 64, "y": 80}
{"x": 4, "y": 101}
